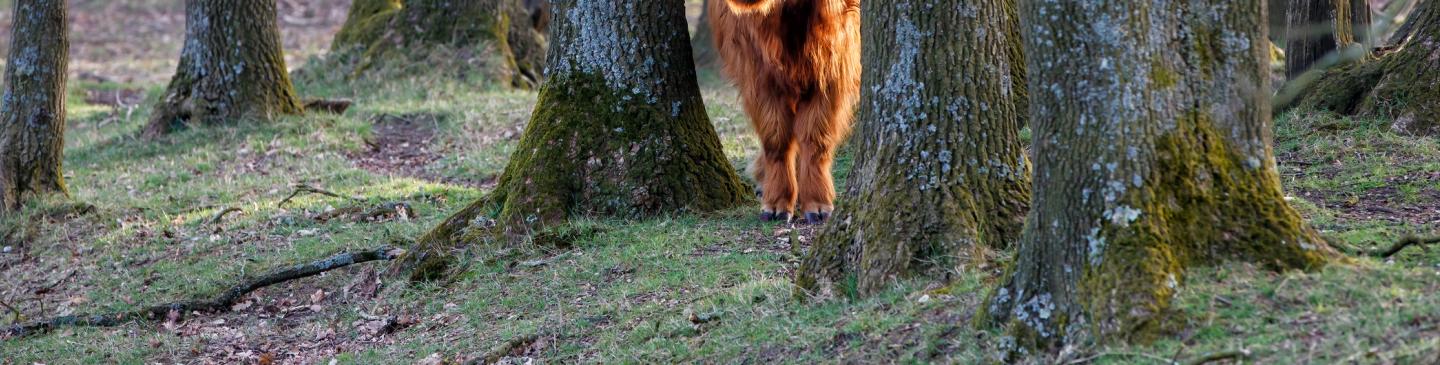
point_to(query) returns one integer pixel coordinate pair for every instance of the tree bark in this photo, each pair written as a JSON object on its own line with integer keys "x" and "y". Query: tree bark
{"x": 942, "y": 174}
{"x": 1319, "y": 27}
{"x": 232, "y": 67}
{"x": 383, "y": 32}
{"x": 1153, "y": 155}
{"x": 32, "y": 113}
{"x": 1400, "y": 86}
{"x": 363, "y": 23}
{"x": 619, "y": 130}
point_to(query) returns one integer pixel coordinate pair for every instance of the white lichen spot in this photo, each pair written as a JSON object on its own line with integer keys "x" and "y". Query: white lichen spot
{"x": 1122, "y": 215}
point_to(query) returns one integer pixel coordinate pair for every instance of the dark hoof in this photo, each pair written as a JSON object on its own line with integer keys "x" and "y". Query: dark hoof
{"x": 774, "y": 217}
{"x": 816, "y": 218}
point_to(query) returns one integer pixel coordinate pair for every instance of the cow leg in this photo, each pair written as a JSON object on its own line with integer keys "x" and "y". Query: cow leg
{"x": 774, "y": 169}
{"x": 820, "y": 126}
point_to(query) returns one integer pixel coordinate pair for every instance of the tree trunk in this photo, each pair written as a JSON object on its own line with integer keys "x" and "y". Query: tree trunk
{"x": 364, "y": 23}
{"x": 942, "y": 174}
{"x": 703, "y": 42}
{"x": 1318, "y": 27}
{"x": 232, "y": 67}
{"x": 1399, "y": 85}
{"x": 619, "y": 130}
{"x": 386, "y": 32}
{"x": 32, "y": 113}
{"x": 1139, "y": 178}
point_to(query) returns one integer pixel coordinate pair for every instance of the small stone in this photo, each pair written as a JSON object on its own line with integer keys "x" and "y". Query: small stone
{"x": 8, "y": 249}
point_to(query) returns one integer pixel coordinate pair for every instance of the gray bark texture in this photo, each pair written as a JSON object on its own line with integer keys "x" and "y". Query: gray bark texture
{"x": 941, "y": 176}
{"x": 231, "y": 67}
{"x": 1153, "y": 154}
{"x": 619, "y": 130}
{"x": 32, "y": 112}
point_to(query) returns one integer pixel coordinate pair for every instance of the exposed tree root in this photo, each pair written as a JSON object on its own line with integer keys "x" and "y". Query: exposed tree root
{"x": 219, "y": 304}
{"x": 307, "y": 189}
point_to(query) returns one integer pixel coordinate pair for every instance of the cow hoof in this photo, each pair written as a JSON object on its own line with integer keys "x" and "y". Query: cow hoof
{"x": 774, "y": 217}
{"x": 815, "y": 218}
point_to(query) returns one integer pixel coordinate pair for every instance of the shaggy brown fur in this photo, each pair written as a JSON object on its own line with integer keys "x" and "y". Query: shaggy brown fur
{"x": 797, "y": 65}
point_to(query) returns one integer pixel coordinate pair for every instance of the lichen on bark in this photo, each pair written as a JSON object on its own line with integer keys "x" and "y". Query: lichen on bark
{"x": 231, "y": 67}
{"x": 619, "y": 130}
{"x": 942, "y": 178}
{"x": 1139, "y": 178}
{"x": 32, "y": 111}
{"x": 1400, "y": 85}
{"x": 381, "y": 33}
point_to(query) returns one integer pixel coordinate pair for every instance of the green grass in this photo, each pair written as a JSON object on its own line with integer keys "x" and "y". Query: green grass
{"x": 625, "y": 291}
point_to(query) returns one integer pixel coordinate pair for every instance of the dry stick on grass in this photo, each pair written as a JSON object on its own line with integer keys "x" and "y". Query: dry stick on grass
{"x": 307, "y": 189}
{"x": 219, "y": 304}
{"x": 1201, "y": 360}
{"x": 13, "y": 312}
{"x": 515, "y": 346}
{"x": 1391, "y": 251}
{"x": 219, "y": 216}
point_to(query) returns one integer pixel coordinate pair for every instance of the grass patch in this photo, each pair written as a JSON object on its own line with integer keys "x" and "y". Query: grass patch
{"x": 679, "y": 289}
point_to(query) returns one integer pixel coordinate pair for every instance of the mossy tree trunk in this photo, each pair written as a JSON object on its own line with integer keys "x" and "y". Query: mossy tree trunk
{"x": 362, "y": 23}
{"x": 1153, "y": 155}
{"x": 942, "y": 175}
{"x": 231, "y": 67}
{"x": 1318, "y": 27}
{"x": 703, "y": 42}
{"x": 32, "y": 113}
{"x": 382, "y": 32}
{"x": 1401, "y": 85}
{"x": 619, "y": 130}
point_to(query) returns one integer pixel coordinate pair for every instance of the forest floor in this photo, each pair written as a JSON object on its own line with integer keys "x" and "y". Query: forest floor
{"x": 709, "y": 288}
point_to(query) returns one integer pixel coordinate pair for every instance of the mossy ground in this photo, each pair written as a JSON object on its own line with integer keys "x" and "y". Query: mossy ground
{"x": 624, "y": 291}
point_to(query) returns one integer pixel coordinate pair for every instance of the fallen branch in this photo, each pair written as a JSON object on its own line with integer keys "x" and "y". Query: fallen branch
{"x": 1201, "y": 360}
{"x": 514, "y": 347}
{"x": 307, "y": 189}
{"x": 219, "y": 216}
{"x": 219, "y": 304}
{"x": 1219, "y": 356}
{"x": 332, "y": 106}
{"x": 381, "y": 211}
{"x": 1394, "y": 249}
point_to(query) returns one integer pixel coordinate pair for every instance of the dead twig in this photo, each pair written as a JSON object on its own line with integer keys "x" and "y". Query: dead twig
{"x": 16, "y": 317}
{"x": 381, "y": 211}
{"x": 307, "y": 189}
{"x": 514, "y": 347}
{"x": 1201, "y": 360}
{"x": 219, "y": 216}
{"x": 1388, "y": 252}
{"x": 1220, "y": 356}
{"x": 222, "y": 303}
{"x": 50, "y": 288}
